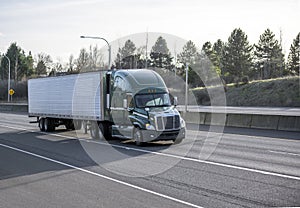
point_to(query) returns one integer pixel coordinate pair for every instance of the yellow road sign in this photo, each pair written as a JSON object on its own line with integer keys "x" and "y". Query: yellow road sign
{"x": 11, "y": 92}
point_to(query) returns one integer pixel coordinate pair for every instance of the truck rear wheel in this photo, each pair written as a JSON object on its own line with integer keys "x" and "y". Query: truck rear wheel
{"x": 105, "y": 130}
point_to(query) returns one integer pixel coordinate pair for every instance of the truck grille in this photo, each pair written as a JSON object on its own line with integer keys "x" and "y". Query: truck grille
{"x": 167, "y": 123}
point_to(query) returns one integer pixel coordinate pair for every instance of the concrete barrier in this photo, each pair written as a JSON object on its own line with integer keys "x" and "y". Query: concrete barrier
{"x": 272, "y": 122}
{"x": 14, "y": 107}
{"x": 265, "y": 122}
{"x": 217, "y": 119}
{"x": 194, "y": 117}
{"x": 289, "y": 123}
{"x": 239, "y": 120}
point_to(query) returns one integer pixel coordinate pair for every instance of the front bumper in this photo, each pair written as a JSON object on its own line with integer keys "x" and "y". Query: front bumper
{"x": 151, "y": 135}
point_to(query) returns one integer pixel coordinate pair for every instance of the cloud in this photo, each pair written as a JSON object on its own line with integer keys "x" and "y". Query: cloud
{"x": 1, "y": 34}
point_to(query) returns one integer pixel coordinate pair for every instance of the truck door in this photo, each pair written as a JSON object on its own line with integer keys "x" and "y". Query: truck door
{"x": 122, "y": 125}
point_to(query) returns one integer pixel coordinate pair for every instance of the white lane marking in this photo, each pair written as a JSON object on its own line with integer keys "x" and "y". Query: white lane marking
{"x": 170, "y": 155}
{"x": 284, "y": 153}
{"x": 102, "y": 176}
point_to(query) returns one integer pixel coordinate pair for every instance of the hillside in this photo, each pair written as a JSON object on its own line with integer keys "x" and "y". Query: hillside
{"x": 281, "y": 92}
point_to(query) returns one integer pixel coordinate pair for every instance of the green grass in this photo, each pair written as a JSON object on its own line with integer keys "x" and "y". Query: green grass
{"x": 281, "y": 92}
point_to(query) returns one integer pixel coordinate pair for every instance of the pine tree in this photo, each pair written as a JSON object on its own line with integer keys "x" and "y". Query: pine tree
{"x": 187, "y": 56}
{"x": 236, "y": 59}
{"x": 18, "y": 63}
{"x": 126, "y": 57}
{"x": 211, "y": 54}
{"x": 293, "y": 65}
{"x": 28, "y": 61}
{"x": 160, "y": 56}
{"x": 268, "y": 56}
{"x": 218, "y": 47}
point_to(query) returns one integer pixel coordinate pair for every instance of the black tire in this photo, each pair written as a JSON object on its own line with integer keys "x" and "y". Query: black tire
{"x": 49, "y": 124}
{"x": 94, "y": 130}
{"x": 69, "y": 125}
{"x": 41, "y": 124}
{"x": 105, "y": 130}
{"x": 138, "y": 136}
{"x": 177, "y": 141}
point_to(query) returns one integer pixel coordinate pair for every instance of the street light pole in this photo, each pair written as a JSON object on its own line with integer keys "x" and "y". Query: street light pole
{"x": 109, "y": 47}
{"x": 186, "y": 86}
{"x": 8, "y": 81}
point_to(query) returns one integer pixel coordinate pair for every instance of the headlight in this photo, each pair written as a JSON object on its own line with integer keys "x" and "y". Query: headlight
{"x": 182, "y": 122}
{"x": 150, "y": 127}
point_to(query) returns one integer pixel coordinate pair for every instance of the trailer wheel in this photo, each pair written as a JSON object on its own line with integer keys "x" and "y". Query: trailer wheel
{"x": 138, "y": 136}
{"x": 41, "y": 124}
{"x": 69, "y": 124}
{"x": 94, "y": 130}
{"x": 49, "y": 125}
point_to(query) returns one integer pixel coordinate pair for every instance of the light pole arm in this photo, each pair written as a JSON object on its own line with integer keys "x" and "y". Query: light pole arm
{"x": 109, "y": 47}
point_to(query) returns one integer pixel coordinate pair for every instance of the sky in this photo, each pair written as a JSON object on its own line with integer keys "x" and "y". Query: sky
{"x": 54, "y": 27}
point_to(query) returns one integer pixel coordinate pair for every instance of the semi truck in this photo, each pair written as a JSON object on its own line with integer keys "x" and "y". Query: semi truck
{"x": 128, "y": 104}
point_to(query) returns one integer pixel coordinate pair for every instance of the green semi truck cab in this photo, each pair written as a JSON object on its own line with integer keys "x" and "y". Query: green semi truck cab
{"x": 141, "y": 107}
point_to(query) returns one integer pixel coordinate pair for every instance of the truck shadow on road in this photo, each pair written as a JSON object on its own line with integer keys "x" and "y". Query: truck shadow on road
{"x": 22, "y": 153}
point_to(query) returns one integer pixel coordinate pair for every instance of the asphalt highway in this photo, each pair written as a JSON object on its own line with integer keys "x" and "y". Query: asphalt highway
{"x": 236, "y": 168}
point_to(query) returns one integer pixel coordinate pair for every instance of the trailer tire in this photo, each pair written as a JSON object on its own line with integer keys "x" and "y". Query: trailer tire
{"x": 49, "y": 124}
{"x": 69, "y": 125}
{"x": 41, "y": 124}
{"x": 138, "y": 136}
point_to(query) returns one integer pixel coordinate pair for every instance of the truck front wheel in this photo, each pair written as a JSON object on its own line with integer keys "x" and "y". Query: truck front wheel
{"x": 138, "y": 136}
{"x": 177, "y": 141}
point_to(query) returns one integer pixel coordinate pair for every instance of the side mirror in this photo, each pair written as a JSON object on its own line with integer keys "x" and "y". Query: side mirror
{"x": 125, "y": 104}
{"x": 175, "y": 101}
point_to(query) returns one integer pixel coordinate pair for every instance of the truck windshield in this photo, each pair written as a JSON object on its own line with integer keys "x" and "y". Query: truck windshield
{"x": 152, "y": 100}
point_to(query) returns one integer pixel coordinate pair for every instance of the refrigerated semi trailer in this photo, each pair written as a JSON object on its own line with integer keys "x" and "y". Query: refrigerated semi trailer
{"x": 128, "y": 104}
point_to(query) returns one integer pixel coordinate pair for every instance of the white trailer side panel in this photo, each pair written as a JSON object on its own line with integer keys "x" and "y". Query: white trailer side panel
{"x": 74, "y": 96}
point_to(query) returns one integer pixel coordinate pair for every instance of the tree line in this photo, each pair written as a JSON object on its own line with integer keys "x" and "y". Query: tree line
{"x": 234, "y": 60}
